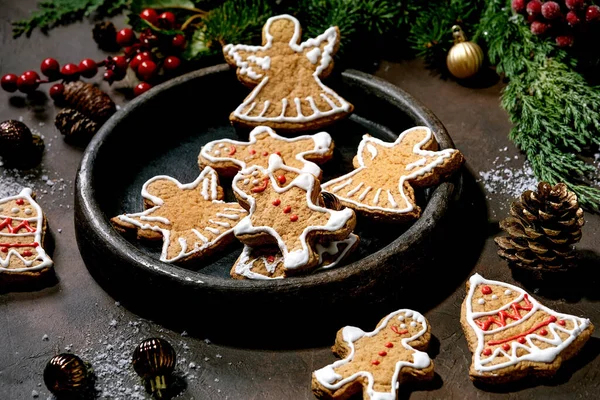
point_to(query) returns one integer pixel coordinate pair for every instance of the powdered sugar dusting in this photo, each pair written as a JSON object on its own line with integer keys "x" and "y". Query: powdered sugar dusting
{"x": 508, "y": 177}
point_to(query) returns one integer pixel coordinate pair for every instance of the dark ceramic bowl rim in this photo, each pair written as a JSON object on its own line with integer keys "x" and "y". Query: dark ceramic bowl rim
{"x": 89, "y": 210}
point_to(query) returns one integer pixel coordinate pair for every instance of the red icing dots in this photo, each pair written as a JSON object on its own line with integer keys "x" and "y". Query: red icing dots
{"x": 506, "y": 347}
{"x": 20, "y": 202}
{"x": 543, "y": 332}
{"x": 270, "y": 259}
{"x": 294, "y": 218}
{"x": 276, "y": 202}
{"x": 521, "y": 340}
{"x": 281, "y": 179}
{"x": 398, "y": 331}
{"x": 4, "y": 249}
{"x": 486, "y": 290}
{"x": 389, "y": 345}
{"x": 252, "y": 151}
{"x": 266, "y": 153}
{"x": 27, "y": 253}
{"x": 561, "y": 322}
{"x": 383, "y": 353}
{"x": 287, "y": 209}
{"x": 262, "y": 188}
{"x": 232, "y": 150}
{"x": 375, "y": 362}
{"x": 487, "y": 352}
{"x": 278, "y": 153}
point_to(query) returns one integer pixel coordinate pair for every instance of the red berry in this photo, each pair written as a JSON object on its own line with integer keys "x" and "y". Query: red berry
{"x": 141, "y": 87}
{"x": 88, "y": 68}
{"x": 518, "y": 5}
{"x": 149, "y": 38}
{"x": 146, "y": 69}
{"x": 50, "y": 67}
{"x": 150, "y": 15}
{"x": 109, "y": 76}
{"x": 57, "y": 91}
{"x": 9, "y": 82}
{"x": 539, "y": 28}
{"x": 592, "y": 13}
{"x": 564, "y": 41}
{"x": 573, "y": 19}
{"x": 70, "y": 72}
{"x": 28, "y": 82}
{"x": 137, "y": 60}
{"x": 575, "y": 4}
{"x": 171, "y": 63}
{"x": 534, "y": 7}
{"x": 125, "y": 37}
{"x": 551, "y": 10}
{"x": 120, "y": 63}
{"x": 166, "y": 20}
{"x": 178, "y": 42}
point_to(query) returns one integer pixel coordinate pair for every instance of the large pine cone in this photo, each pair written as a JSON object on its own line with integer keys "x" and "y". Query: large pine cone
{"x": 542, "y": 229}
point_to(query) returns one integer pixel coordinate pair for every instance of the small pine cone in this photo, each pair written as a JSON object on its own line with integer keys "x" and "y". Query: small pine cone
{"x": 105, "y": 35}
{"x": 542, "y": 229}
{"x": 75, "y": 126}
{"x": 89, "y": 100}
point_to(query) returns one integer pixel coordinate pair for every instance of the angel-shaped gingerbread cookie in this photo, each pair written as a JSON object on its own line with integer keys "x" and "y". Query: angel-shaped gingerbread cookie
{"x": 381, "y": 186}
{"x": 286, "y": 76}
{"x": 191, "y": 219}
{"x": 22, "y": 237}
{"x": 379, "y": 361}
{"x": 283, "y": 210}
{"x": 512, "y": 335}
{"x": 302, "y": 152}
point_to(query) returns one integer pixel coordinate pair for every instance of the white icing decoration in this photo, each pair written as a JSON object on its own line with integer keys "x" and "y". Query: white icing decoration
{"x": 255, "y": 182}
{"x": 313, "y": 55}
{"x": 305, "y": 181}
{"x": 15, "y": 210}
{"x": 221, "y": 145}
{"x": 418, "y": 163}
{"x": 40, "y": 254}
{"x": 229, "y": 216}
{"x": 220, "y": 223}
{"x": 28, "y": 211}
{"x": 481, "y": 301}
{"x": 494, "y": 297}
{"x": 244, "y": 266}
{"x": 356, "y": 189}
{"x": 413, "y": 324}
{"x": 376, "y": 198}
{"x": 364, "y": 193}
{"x": 330, "y": 36}
{"x": 341, "y": 186}
{"x": 401, "y": 318}
{"x": 439, "y": 157}
{"x": 533, "y": 352}
{"x": 331, "y": 380}
{"x": 246, "y": 181}
{"x": 322, "y": 145}
{"x": 265, "y": 108}
{"x": 212, "y": 230}
{"x": 262, "y": 62}
{"x": 217, "y": 153}
{"x": 207, "y": 184}
{"x": 373, "y": 150}
{"x": 402, "y": 326}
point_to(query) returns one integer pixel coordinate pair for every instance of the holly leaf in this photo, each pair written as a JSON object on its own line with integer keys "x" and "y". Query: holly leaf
{"x": 197, "y": 46}
{"x": 138, "y": 5}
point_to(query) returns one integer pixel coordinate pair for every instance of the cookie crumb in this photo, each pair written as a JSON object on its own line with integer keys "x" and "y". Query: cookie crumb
{"x": 45, "y": 338}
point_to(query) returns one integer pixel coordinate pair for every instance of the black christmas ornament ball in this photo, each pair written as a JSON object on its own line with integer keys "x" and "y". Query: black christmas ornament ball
{"x": 154, "y": 359}
{"x": 67, "y": 374}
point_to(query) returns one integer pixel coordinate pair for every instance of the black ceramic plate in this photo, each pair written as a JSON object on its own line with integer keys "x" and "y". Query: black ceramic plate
{"x": 162, "y": 131}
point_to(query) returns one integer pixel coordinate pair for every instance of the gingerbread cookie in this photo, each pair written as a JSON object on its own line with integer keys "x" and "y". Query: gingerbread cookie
{"x": 191, "y": 219}
{"x": 381, "y": 186}
{"x": 22, "y": 237}
{"x": 377, "y": 361}
{"x": 286, "y": 76}
{"x": 229, "y": 156}
{"x": 511, "y": 335}
{"x": 284, "y": 212}
{"x": 267, "y": 262}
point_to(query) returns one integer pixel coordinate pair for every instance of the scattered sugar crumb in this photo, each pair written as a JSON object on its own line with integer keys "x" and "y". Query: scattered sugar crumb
{"x": 184, "y": 333}
{"x": 219, "y": 356}
{"x": 207, "y": 341}
{"x": 35, "y": 394}
{"x": 45, "y": 338}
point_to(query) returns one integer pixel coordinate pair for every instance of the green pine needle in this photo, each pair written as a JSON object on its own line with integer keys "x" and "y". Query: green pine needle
{"x": 51, "y": 13}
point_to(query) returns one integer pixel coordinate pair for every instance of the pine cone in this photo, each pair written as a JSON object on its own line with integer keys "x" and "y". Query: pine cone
{"x": 542, "y": 229}
{"x": 75, "y": 126}
{"x": 89, "y": 100}
{"x": 105, "y": 35}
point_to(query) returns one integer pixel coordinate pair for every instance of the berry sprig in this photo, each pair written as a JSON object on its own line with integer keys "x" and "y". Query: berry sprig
{"x": 154, "y": 50}
{"x": 564, "y": 20}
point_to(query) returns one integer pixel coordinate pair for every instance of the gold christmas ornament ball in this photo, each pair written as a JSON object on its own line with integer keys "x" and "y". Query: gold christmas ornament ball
{"x": 67, "y": 374}
{"x": 464, "y": 58}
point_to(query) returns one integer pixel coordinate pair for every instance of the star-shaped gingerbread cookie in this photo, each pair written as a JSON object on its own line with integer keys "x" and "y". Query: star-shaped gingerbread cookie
{"x": 283, "y": 211}
{"x": 379, "y": 361}
{"x": 191, "y": 219}
{"x": 381, "y": 186}
{"x": 302, "y": 152}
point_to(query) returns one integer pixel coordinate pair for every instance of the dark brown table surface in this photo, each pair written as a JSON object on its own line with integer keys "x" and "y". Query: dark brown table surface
{"x": 78, "y": 315}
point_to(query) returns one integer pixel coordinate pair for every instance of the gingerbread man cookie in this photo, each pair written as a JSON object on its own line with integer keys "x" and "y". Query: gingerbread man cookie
{"x": 302, "y": 152}
{"x": 22, "y": 234}
{"x": 267, "y": 262}
{"x": 286, "y": 76}
{"x": 511, "y": 335}
{"x": 284, "y": 212}
{"x": 381, "y": 186}
{"x": 191, "y": 219}
{"x": 377, "y": 361}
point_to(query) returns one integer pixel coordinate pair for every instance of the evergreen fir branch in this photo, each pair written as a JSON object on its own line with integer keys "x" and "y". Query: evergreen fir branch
{"x": 51, "y": 13}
